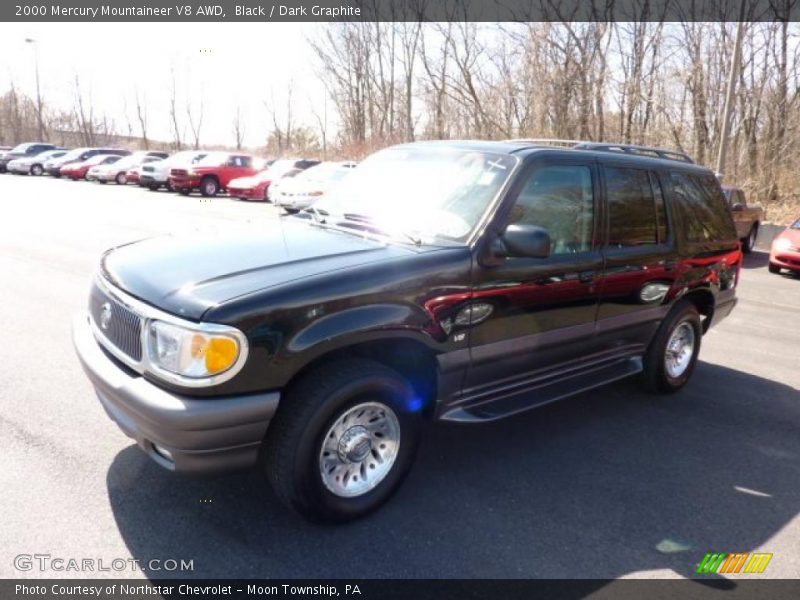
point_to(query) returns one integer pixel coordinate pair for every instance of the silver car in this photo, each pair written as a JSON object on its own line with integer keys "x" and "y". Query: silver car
{"x": 33, "y": 165}
{"x": 296, "y": 193}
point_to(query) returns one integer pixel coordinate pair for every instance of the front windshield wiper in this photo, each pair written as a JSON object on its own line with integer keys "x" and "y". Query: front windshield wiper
{"x": 368, "y": 223}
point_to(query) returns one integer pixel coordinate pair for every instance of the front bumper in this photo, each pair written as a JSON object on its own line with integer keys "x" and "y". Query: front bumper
{"x": 201, "y": 436}
{"x": 786, "y": 259}
{"x": 251, "y": 193}
{"x": 184, "y": 183}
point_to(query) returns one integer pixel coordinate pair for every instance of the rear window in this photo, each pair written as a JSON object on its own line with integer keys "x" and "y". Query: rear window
{"x": 702, "y": 206}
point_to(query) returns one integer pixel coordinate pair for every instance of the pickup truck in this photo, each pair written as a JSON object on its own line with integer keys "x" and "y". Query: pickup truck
{"x": 746, "y": 217}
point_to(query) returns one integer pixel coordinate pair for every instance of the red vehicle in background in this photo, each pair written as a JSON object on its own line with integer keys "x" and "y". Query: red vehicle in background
{"x": 212, "y": 173}
{"x": 257, "y": 186}
{"x": 78, "y": 170}
{"x": 785, "y": 251}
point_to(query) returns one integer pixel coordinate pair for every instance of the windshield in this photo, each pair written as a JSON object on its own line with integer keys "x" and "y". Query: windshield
{"x": 428, "y": 192}
{"x": 21, "y": 147}
{"x": 323, "y": 172}
{"x": 213, "y": 159}
{"x": 74, "y": 154}
{"x": 796, "y": 224}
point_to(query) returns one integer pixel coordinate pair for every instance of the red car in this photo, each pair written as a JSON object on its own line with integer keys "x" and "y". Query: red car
{"x": 257, "y": 186}
{"x": 78, "y": 170}
{"x": 785, "y": 251}
{"x": 212, "y": 174}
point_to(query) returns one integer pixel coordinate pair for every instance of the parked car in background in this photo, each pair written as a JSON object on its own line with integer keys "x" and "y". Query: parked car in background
{"x": 156, "y": 175}
{"x": 134, "y": 174}
{"x": 301, "y": 191}
{"x": 118, "y": 171}
{"x": 747, "y": 217}
{"x": 80, "y": 170}
{"x": 23, "y": 150}
{"x": 256, "y": 187}
{"x": 78, "y": 155}
{"x": 785, "y": 250}
{"x": 34, "y": 165}
{"x": 212, "y": 174}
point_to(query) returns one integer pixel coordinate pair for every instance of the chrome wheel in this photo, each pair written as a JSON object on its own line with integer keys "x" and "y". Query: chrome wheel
{"x": 359, "y": 449}
{"x": 680, "y": 349}
{"x": 751, "y": 239}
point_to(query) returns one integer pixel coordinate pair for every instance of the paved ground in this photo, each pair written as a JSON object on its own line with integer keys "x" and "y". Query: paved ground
{"x": 609, "y": 484}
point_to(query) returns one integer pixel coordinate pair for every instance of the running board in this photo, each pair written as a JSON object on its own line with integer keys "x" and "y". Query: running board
{"x": 545, "y": 393}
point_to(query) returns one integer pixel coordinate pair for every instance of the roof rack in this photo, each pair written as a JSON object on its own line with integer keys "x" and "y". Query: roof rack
{"x": 609, "y": 147}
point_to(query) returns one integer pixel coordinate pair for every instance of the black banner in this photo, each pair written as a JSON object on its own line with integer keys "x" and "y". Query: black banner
{"x": 463, "y": 589}
{"x": 399, "y": 10}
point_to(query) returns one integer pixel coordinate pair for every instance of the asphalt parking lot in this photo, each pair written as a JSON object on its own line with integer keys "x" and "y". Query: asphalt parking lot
{"x": 613, "y": 483}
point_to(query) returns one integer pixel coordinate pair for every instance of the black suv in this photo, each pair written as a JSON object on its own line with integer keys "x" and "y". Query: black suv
{"x": 459, "y": 281}
{"x": 29, "y": 149}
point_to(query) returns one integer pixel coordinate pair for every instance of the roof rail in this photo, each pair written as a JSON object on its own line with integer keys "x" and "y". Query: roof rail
{"x": 609, "y": 147}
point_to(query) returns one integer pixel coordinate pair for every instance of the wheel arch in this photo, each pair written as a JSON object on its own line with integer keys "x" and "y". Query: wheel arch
{"x": 704, "y": 301}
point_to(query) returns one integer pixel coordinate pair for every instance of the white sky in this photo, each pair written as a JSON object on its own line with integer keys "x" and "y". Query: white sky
{"x": 240, "y": 63}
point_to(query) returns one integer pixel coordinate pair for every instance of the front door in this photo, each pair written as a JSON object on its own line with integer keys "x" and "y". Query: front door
{"x": 542, "y": 310}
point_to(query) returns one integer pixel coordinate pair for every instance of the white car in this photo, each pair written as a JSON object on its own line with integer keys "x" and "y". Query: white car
{"x": 118, "y": 171}
{"x": 33, "y": 165}
{"x": 155, "y": 175}
{"x": 296, "y": 193}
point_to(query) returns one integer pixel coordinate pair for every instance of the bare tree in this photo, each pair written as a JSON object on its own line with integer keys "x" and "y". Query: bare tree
{"x": 141, "y": 116}
{"x": 238, "y": 127}
{"x": 173, "y": 112}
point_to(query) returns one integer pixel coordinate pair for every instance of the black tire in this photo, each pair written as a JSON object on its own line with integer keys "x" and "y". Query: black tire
{"x": 655, "y": 377}
{"x": 101, "y": 181}
{"x": 153, "y": 187}
{"x": 749, "y": 242}
{"x": 36, "y": 170}
{"x": 120, "y": 179}
{"x": 293, "y": 444}
{"x": 184, "y": 191}
{"x": 774, "y": 268}
{"x": 291, "y": 211}
{"x": 209, "y": 187}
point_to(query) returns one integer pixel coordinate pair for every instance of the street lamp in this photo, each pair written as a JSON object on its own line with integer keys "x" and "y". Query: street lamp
{"x": 38, "y": 89}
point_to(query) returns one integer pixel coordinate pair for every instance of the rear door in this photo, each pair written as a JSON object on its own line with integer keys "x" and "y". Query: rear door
{"x": 640, "y": 259}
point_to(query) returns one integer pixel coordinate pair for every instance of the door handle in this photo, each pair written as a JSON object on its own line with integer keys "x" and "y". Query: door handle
{"x": 586, "y": 276}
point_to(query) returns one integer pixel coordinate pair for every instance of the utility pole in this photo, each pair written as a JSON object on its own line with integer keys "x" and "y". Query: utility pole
{"x": 39, "y": 107}
{"x": 730, "y": 97}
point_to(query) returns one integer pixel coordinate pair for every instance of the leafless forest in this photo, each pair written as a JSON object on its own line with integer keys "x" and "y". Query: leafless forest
{"x": 640, "y": 82}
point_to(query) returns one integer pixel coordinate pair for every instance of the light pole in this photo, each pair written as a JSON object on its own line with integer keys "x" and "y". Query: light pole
{"x": 38, "y": 89}
{"x": 730, "y": 97}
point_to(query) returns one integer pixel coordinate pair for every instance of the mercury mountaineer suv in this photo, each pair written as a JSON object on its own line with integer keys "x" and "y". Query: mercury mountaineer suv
{"x": 455, "y": 281}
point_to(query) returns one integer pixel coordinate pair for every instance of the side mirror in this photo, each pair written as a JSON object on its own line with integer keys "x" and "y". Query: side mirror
{"x": 737, "y": 207}
{"x": 527, "y": 241}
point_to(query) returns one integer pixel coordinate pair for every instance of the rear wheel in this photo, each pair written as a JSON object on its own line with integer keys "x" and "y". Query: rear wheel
{"x": 209, "y": 187}
{"x": 774, "y": 268}
{"x": 342, "y": 441}
{"x": 671, "y": 358}
{"x": 749, "y": 242}
{"x": 36, "y": 170}
{"x": 121, "y": 179}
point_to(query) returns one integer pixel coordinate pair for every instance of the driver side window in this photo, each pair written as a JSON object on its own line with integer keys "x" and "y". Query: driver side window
{"x": 560, "y": 199}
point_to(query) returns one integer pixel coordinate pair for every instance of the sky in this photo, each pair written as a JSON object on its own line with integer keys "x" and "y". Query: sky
{"x": 234, "y": 64}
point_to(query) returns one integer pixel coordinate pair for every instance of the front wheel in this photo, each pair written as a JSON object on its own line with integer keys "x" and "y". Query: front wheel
{"x": 343, "y": 440}
{"x": 36, "y": 170}
{"x": 774, "y": 268}
{"x": 121, "y": 179}
{"x": 209, "y": 187}
{"x": 153, "y": 187}
{"x": 671, "y": 358}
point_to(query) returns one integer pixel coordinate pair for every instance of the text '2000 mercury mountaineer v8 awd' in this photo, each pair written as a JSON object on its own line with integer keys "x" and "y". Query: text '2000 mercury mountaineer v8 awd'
{"x": 459, "y": 281}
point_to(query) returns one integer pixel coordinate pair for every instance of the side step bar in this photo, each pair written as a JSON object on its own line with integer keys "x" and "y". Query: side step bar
{"x": 544, "y": 393}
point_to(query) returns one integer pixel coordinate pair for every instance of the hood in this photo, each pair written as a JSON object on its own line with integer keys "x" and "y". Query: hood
{"x": 793, "y": 235}
{"x": 243, "y": 182}
{"x": 187, "y": 275}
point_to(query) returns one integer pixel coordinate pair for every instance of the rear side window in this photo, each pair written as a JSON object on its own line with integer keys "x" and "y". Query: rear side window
{"x": 636, "y": 214}
{"x": 702, "y": 207}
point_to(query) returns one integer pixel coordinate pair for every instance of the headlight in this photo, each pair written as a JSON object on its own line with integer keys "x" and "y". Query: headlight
{"x": 782, "y": 244}
{"x": 204, "y": 352}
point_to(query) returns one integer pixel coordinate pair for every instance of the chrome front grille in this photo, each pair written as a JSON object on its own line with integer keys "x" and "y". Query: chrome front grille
{"x": 120, "y": 326}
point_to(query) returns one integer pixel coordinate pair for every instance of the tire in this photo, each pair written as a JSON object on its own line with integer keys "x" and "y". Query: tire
{"x": 774, "y": 268}
{"x": 312, "y": 412}
{"x": 266, "y": 194}
{"x": 658, "y": 375}
{"x": 749, "y": 242}
{"x": 101, "y": 181}
{"x": 209, "y": 187}
{"x": 120, "y": 179}
{"x": 36, "y": 170}
{"x": 153, "y": 187}
{"x": 184, "y": 191}
{"x": 291, "y": 211}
